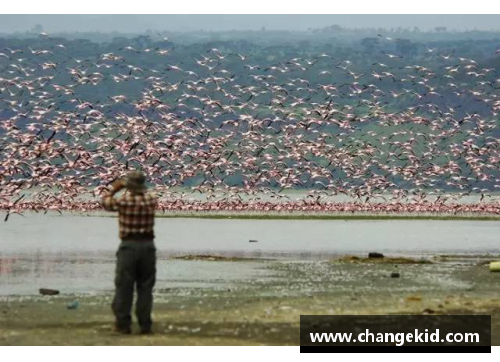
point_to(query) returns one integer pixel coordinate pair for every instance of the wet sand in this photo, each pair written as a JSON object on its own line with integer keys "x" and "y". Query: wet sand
{"x": 247, "y": 293}
{"x": 262, "y": 306}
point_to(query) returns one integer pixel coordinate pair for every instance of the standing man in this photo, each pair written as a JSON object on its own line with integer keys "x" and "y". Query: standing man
{"x": 136, "y": 256}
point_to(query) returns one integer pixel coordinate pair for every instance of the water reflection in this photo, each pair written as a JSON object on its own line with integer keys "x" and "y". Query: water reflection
{"x": 91, "y": 273}
{"x": 76, "y": 273}
{"x": 77, "y": 254}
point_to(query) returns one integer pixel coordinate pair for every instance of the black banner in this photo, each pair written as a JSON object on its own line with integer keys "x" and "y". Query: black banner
{"x": 448, "y": 332}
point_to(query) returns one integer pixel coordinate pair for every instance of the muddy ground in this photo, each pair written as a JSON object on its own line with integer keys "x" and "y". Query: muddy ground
{"x": 263, "y": 311}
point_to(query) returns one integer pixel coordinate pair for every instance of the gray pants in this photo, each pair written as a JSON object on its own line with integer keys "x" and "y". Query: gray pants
{"x": 136, "y": 266}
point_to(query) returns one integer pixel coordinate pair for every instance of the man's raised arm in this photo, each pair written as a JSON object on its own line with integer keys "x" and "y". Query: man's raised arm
{"x": 108, "y": 201}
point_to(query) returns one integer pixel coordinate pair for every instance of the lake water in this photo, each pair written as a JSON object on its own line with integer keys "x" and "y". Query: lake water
{"x": 76, "y": 253}
{"x": 37, "y": 233}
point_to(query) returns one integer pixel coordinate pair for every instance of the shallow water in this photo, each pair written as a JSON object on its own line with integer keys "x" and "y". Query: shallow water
{"x": 36, "y": 233}
{"x": 76, "y": 253}
{"x": 87, "y": 273}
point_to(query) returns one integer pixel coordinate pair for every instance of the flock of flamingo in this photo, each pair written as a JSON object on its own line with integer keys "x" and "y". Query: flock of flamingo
{"x": 222, "y": 133}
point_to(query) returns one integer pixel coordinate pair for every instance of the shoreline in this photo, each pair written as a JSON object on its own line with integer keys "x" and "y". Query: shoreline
{"x": 299, "y": 216}
{"x": 262, "y": 310}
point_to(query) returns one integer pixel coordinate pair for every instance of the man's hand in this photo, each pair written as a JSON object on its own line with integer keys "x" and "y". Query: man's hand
{"x": 117, "y": 185}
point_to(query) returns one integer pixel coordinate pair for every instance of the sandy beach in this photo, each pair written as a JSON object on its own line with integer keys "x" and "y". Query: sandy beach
{"x": 264, "y": 309}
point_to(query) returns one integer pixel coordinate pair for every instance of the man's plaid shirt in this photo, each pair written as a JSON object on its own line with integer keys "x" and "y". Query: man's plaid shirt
{"x": 136, "y": 214}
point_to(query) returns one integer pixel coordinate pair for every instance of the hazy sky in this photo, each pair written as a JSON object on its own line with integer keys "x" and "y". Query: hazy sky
{"x": 139, "y": 23}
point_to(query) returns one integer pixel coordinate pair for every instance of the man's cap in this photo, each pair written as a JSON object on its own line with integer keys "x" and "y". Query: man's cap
{"x": 136, "y": 181}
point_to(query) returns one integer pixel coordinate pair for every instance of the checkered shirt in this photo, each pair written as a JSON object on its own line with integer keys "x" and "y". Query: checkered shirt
{"x": 136, "y": 213}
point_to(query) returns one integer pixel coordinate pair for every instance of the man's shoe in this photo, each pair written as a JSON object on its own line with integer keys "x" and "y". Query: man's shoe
{"x": 123, "y": 330}
{"x": 146, "y": 332}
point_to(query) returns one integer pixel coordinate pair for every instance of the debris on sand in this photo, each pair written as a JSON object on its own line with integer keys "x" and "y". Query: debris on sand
{"x": 384, "y": 260}
{"x": 209, "y": 257}
{"x": 428, "y": 311}
{"x": 495, "y": 266}
{"x": 414, "y": 298}
{"x": 395, "y": 275}
{"x": 46, "y": 291}
{"x": 73, "y": 305}
{"x": 375, "y": 255}
{"x": 253, "y": 241}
